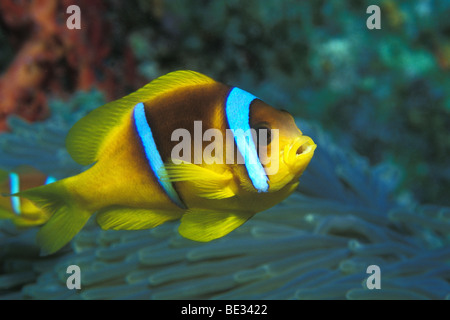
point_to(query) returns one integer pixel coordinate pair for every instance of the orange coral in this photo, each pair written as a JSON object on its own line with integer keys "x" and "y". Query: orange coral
{"x": 53, "y": 59}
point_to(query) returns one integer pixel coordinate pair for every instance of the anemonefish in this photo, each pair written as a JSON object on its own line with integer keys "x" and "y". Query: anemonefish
{"x": 135, "y": 184}
{"x": 21, "y": 211}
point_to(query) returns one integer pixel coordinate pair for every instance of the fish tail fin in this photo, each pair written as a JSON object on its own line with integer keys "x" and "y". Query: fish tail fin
{"x": 67, "y": 216}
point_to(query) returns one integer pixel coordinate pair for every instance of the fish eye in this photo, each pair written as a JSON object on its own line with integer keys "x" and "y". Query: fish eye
{"x": 263, "y": 129}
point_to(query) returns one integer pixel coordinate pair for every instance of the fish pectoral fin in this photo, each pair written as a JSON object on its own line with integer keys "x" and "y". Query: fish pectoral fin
{"x": 207, "y": 183}
{"x": 124, "y": 218}
{"x": 205, "y": 225}
{"x": 247, "y": 185}
{"x": 213, "y": 190}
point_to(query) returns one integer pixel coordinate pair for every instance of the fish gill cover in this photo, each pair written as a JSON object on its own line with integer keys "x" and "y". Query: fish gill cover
{"x": 383, "y": 93}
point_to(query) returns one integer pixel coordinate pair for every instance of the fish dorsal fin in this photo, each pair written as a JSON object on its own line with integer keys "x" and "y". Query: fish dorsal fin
{"x": 86, "y": 138}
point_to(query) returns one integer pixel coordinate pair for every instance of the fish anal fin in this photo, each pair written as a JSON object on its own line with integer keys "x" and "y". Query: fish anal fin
{"x": 206, "y": 225}
{"x": 124, "y": 218}
{"x": 207, "y": 183}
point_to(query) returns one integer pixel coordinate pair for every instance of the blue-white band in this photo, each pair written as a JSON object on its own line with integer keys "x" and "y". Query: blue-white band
{"x": 237, "y": 108}
{"x": 50, "y": 179}
{"x": 14, "y": 185}
{"x": 152, "y": 154}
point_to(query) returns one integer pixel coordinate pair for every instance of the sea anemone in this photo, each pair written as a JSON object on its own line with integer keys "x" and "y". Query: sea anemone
{"x": 317, "y": 244}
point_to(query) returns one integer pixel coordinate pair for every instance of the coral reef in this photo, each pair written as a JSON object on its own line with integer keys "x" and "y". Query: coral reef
{"x": 380, "y": 93}
{"x": 51, "y": 59}
{"x": 385, "y": 88}
{"x": 317, "y": 244}
{"x": 42, "y": 144}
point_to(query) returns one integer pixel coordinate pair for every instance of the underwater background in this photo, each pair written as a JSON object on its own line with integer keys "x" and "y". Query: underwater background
{"x": 376, "y": 102}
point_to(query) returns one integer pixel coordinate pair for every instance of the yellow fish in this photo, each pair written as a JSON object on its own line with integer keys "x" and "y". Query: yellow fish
{"x": 178, "y": 148}
{"x": 22, "y": 212}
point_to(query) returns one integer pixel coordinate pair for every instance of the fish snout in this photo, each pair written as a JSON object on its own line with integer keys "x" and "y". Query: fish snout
{"x": 298, "y": 154}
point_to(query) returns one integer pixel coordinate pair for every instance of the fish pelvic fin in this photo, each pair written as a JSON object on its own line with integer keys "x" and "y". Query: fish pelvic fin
{"x": 205, "y": 225}
{"x": 67, "y": 217}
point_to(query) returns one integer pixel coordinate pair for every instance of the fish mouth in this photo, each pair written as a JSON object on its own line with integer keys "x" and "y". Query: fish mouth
{"x": 301, "y": 149}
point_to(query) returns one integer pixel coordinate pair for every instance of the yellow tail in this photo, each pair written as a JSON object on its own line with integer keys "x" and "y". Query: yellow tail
{"x": 25, "y": 219}
{"x": 67, "y": 216}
